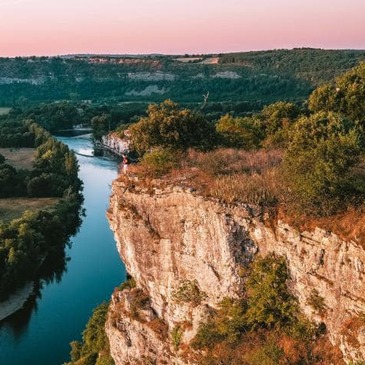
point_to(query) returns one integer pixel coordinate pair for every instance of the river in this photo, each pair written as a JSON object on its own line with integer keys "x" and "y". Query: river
{"x": 56, "y": 314}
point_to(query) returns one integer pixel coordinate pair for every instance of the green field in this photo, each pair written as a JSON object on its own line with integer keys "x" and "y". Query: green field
{"x": 4, "y": 110}
{"x": 12, "y": 208}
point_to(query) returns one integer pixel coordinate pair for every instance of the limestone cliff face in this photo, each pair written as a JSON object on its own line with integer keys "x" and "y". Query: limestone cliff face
{"x": 187, "y": 253}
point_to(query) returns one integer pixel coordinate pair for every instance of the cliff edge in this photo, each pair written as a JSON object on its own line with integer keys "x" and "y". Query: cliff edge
{"x": 187, "y": 253}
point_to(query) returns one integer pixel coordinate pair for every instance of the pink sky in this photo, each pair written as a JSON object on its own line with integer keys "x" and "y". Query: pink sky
{"x": 53, "y": 27}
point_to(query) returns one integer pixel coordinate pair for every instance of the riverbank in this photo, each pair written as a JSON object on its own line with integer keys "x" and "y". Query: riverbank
{"x": 15, "y": 301}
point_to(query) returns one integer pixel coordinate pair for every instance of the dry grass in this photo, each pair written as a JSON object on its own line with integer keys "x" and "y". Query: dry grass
{"x": 348, "y": 225}
{"x": 226, "y": 174}
{"x": 12, "y": 208}
{"x": 231, "y": 161}
{"x": 4, "y": 110}
{"x": 252, "y": 189}
{"x": 20, "y": 158}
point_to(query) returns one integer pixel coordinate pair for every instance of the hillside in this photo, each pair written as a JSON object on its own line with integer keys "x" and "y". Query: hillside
{"x": 252, "y": 78}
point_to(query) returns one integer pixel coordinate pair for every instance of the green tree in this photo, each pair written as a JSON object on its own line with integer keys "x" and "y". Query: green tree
{"x": 242, "y": 132}
{"x": 318, "y": 163}
{"x": 346, "y": 96}
{"x": 276, "y": 120}
{"x": 169, "y": 126}
{"x": 269, "y": 300}
{"x": 100, "y": 125}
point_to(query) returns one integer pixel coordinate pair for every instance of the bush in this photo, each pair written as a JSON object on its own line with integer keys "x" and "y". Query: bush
{"x": 318, "y": 164}
{"x": 94, "y": 349}
{"x": 269, "y": 300}
{"x": 189, "y": 292}
{"x": 158, "y": 162}
{"x": 244, "y": 132}
{"x": 169, "y": 126}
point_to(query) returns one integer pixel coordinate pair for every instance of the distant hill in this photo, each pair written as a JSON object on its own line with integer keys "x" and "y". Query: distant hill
{"x": 250, "y": 77}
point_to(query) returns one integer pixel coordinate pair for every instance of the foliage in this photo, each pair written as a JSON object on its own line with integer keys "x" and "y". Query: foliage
{"x": 94, "y": 348}
{"x": 269, "y": 300}
{"x": 275, "y": 116}
{"x": 314, "y": 65}
{"x": 264, "y": 326}
{"x": 25, "y": 242}
{"x": 129, "y": 284}
{"x": 158, "y": 162}
{"x": 346, "y": 96}
{"x": 244, "y": 132}
{"x": 277, "y": 120}
{"x": 169, "y": 126}
{"x": 318, "y": 163}
{"x": 188, "y": 292}
{"x": 317, "y": 302}
{"x": 100, "y": 125}
{"x": 268, "y": 354}
{"x": 176, "y": 336}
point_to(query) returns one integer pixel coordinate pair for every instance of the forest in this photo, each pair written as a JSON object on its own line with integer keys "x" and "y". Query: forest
{"x": 252, "y": 79}
{"x": 29, "y": 239}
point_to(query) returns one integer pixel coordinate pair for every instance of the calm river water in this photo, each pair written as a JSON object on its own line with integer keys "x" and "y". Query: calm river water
{"x": 40, "y": 333}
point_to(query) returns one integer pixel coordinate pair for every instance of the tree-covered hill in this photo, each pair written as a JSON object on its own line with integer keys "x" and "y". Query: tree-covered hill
{"x": 252, "y": 78}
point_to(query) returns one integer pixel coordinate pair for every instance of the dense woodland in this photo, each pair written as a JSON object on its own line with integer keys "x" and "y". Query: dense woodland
{"x": 251, "y": 79}
{"x": 26, "y": 242}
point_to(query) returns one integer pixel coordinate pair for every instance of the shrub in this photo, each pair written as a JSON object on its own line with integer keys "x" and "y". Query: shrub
{"x": 158, "y": 162}
{"x": 318, "y": 164}
{"x": 239, "y": 132}
{"x": 129, "y": 284}
{"x": 267, "y": 354}
{"x": 94, "y": 349}
{"x": 317, "y": 302}
{"x": 176, "y": 336}
{"x": 189, "y": 292}
{"x": 269, "y": 300}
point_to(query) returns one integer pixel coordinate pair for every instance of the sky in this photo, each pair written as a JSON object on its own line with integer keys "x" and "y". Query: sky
{"x": 59, "y": 27}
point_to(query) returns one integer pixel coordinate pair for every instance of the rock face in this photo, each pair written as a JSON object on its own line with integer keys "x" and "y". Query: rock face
{"x": 186, "y": 253}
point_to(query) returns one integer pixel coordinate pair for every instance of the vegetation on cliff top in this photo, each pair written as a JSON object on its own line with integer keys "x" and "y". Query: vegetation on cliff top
{"x": 303, "y": 161}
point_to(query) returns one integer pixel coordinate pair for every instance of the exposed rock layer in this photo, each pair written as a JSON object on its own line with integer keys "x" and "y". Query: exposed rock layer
{"x": 174, "y": 242}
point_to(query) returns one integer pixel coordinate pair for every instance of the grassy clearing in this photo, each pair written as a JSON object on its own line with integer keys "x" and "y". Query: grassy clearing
{"x": 4, "y": 110}
{"x": 20, "y": 158}
{"x": 12, "y": 208}
{"x": 226, "y": 174}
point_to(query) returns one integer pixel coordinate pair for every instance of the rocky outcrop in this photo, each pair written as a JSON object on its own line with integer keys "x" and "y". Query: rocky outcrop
{"x": 186, "y": 253}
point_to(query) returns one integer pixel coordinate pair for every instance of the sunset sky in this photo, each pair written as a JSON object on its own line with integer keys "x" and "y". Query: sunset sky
{"x": 54, "y": 27}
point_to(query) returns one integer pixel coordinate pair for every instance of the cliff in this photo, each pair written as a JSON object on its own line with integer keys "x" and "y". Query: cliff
{"x": 186, "y": 253}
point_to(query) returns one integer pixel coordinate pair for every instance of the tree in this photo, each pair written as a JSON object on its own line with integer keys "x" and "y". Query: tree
{"x": 241, "y": 132}
{"x": 345, "y": 97}
{"x": 318, "y": 163}
{"x": 269, "y": 300}
{"x": 169, "y": 126}
{"x": 277, "y": 120}
{"x": 100, "y": 125}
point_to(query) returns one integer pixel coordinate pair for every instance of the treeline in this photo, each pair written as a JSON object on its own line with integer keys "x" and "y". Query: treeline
{"x": 26, "y": 242}
{"x": 314, "y": 65}
{"x": 265, "y": 76}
